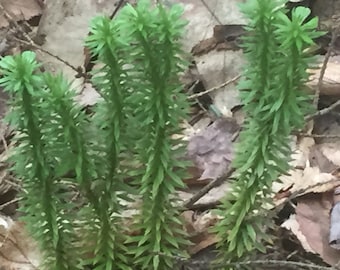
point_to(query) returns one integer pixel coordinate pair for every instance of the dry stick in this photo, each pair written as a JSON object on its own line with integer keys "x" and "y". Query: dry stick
{"x": 211, "y": 11}
{"x": 2, "y": 206}
{"x": 297, "y": 265}
{"x": 323, "y": 70}
{"x": 218, "y": 181}
{"x": 323, "y": 111}
{"x": 37, "y": 47}
{"x": 214, "y": 88}
{"x": 335, "y": 32}
{"x": 330, "y": 136}
{"x": 118, "y": 6}
{"x": 322, "y": 74}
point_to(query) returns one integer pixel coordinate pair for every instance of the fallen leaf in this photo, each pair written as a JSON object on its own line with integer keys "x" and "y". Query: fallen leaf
{"x": 19, "y": 10}
{"x": 197, "y": 227}
{"x": 313, "y": 216}
{"x": 65, "y": 26}
{"x": 292, "y": 225}
{"x": 17, "y": 250}
{"x": 216, "y": 68}
{"x": 211, "y": 150}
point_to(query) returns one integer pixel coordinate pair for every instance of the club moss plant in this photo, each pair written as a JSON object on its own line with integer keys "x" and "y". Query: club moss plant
{"x": 275, "y": 104}
{"x": 158, "y": 107}
{"x": 57, "y": 146}
{"x": 35, "y": 160}
{"x": 140, "y": 58}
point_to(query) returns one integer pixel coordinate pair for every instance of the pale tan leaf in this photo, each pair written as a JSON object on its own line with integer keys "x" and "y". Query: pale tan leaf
{"x": 313, "y": 216}
{"x": 19, "y": 10}
{"x": 17, "y": 250}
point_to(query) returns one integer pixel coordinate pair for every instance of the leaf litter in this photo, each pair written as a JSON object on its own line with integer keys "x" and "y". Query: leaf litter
{"x": 212, "y": 37}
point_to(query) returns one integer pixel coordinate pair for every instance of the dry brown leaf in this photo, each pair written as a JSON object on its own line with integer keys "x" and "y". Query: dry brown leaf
{"x": 19, "y": 10}
{"x": 17, "y": 250}
{"x": 197, "y": 226}
{"x": 309, "y": 180}
{"x": 207, "y": 240}
{"x": 313, "y": 216}
{"x": 312, "y": 172}
{"x": 201, "y": 22}
{"x": 318, "y": 158}
{"x": 212, "y": 149}
{"x": 292, "y": 225}
{"x": 216, "y": 68}
{"x": 332, "y": 152}
{"x": 88, "y": 96}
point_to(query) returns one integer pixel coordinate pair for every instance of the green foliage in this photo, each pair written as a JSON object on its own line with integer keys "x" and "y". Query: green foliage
{"x": 45, "y": 213}
{"x": 139, "y": 61}
{"x": 275, "y": 104}
{"x": 140, "y": 58}
{"x": 158, "y": 108}
{"x": 107, "y": 44}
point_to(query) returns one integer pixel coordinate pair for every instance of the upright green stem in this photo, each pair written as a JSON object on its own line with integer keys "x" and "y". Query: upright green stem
{"x": 45, "y": 216}
{"x": 105, "y": 42}
{"x": 275, "y": 105}
{"x": 158, "y": 107}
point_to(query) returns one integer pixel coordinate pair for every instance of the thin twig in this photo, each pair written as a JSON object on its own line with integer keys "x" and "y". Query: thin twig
{"x": 29, "y": 42}
{"x": 211, "y": 12}
{"x": 323, "y": 70}
{"x": 214, "y": 88}
{"x": 215, "y": 183}
{"x": 327, "y": 136}
{"x": 323, "y": 111}
{"x": 119, "y": 5}
{"x": 297, "y": 265}
{"x": 37, "y": 47}
{"x": 2, "y": 206}
{"x": 335, "y": 32}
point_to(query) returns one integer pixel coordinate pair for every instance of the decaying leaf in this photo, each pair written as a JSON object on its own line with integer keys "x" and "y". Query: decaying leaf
{"x": 311, "y": 172}
{"x": 197, "y": 226}
{"x": 313, "y": 216}
{"x": 17, "y": 250}
{"x": 19, "y": 10}
{"x": 292, "y": 225}
{"x": 212, "y": 148}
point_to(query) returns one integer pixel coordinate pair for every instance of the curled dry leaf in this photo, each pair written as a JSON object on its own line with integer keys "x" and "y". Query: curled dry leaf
{"x": 312, "y": 172}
